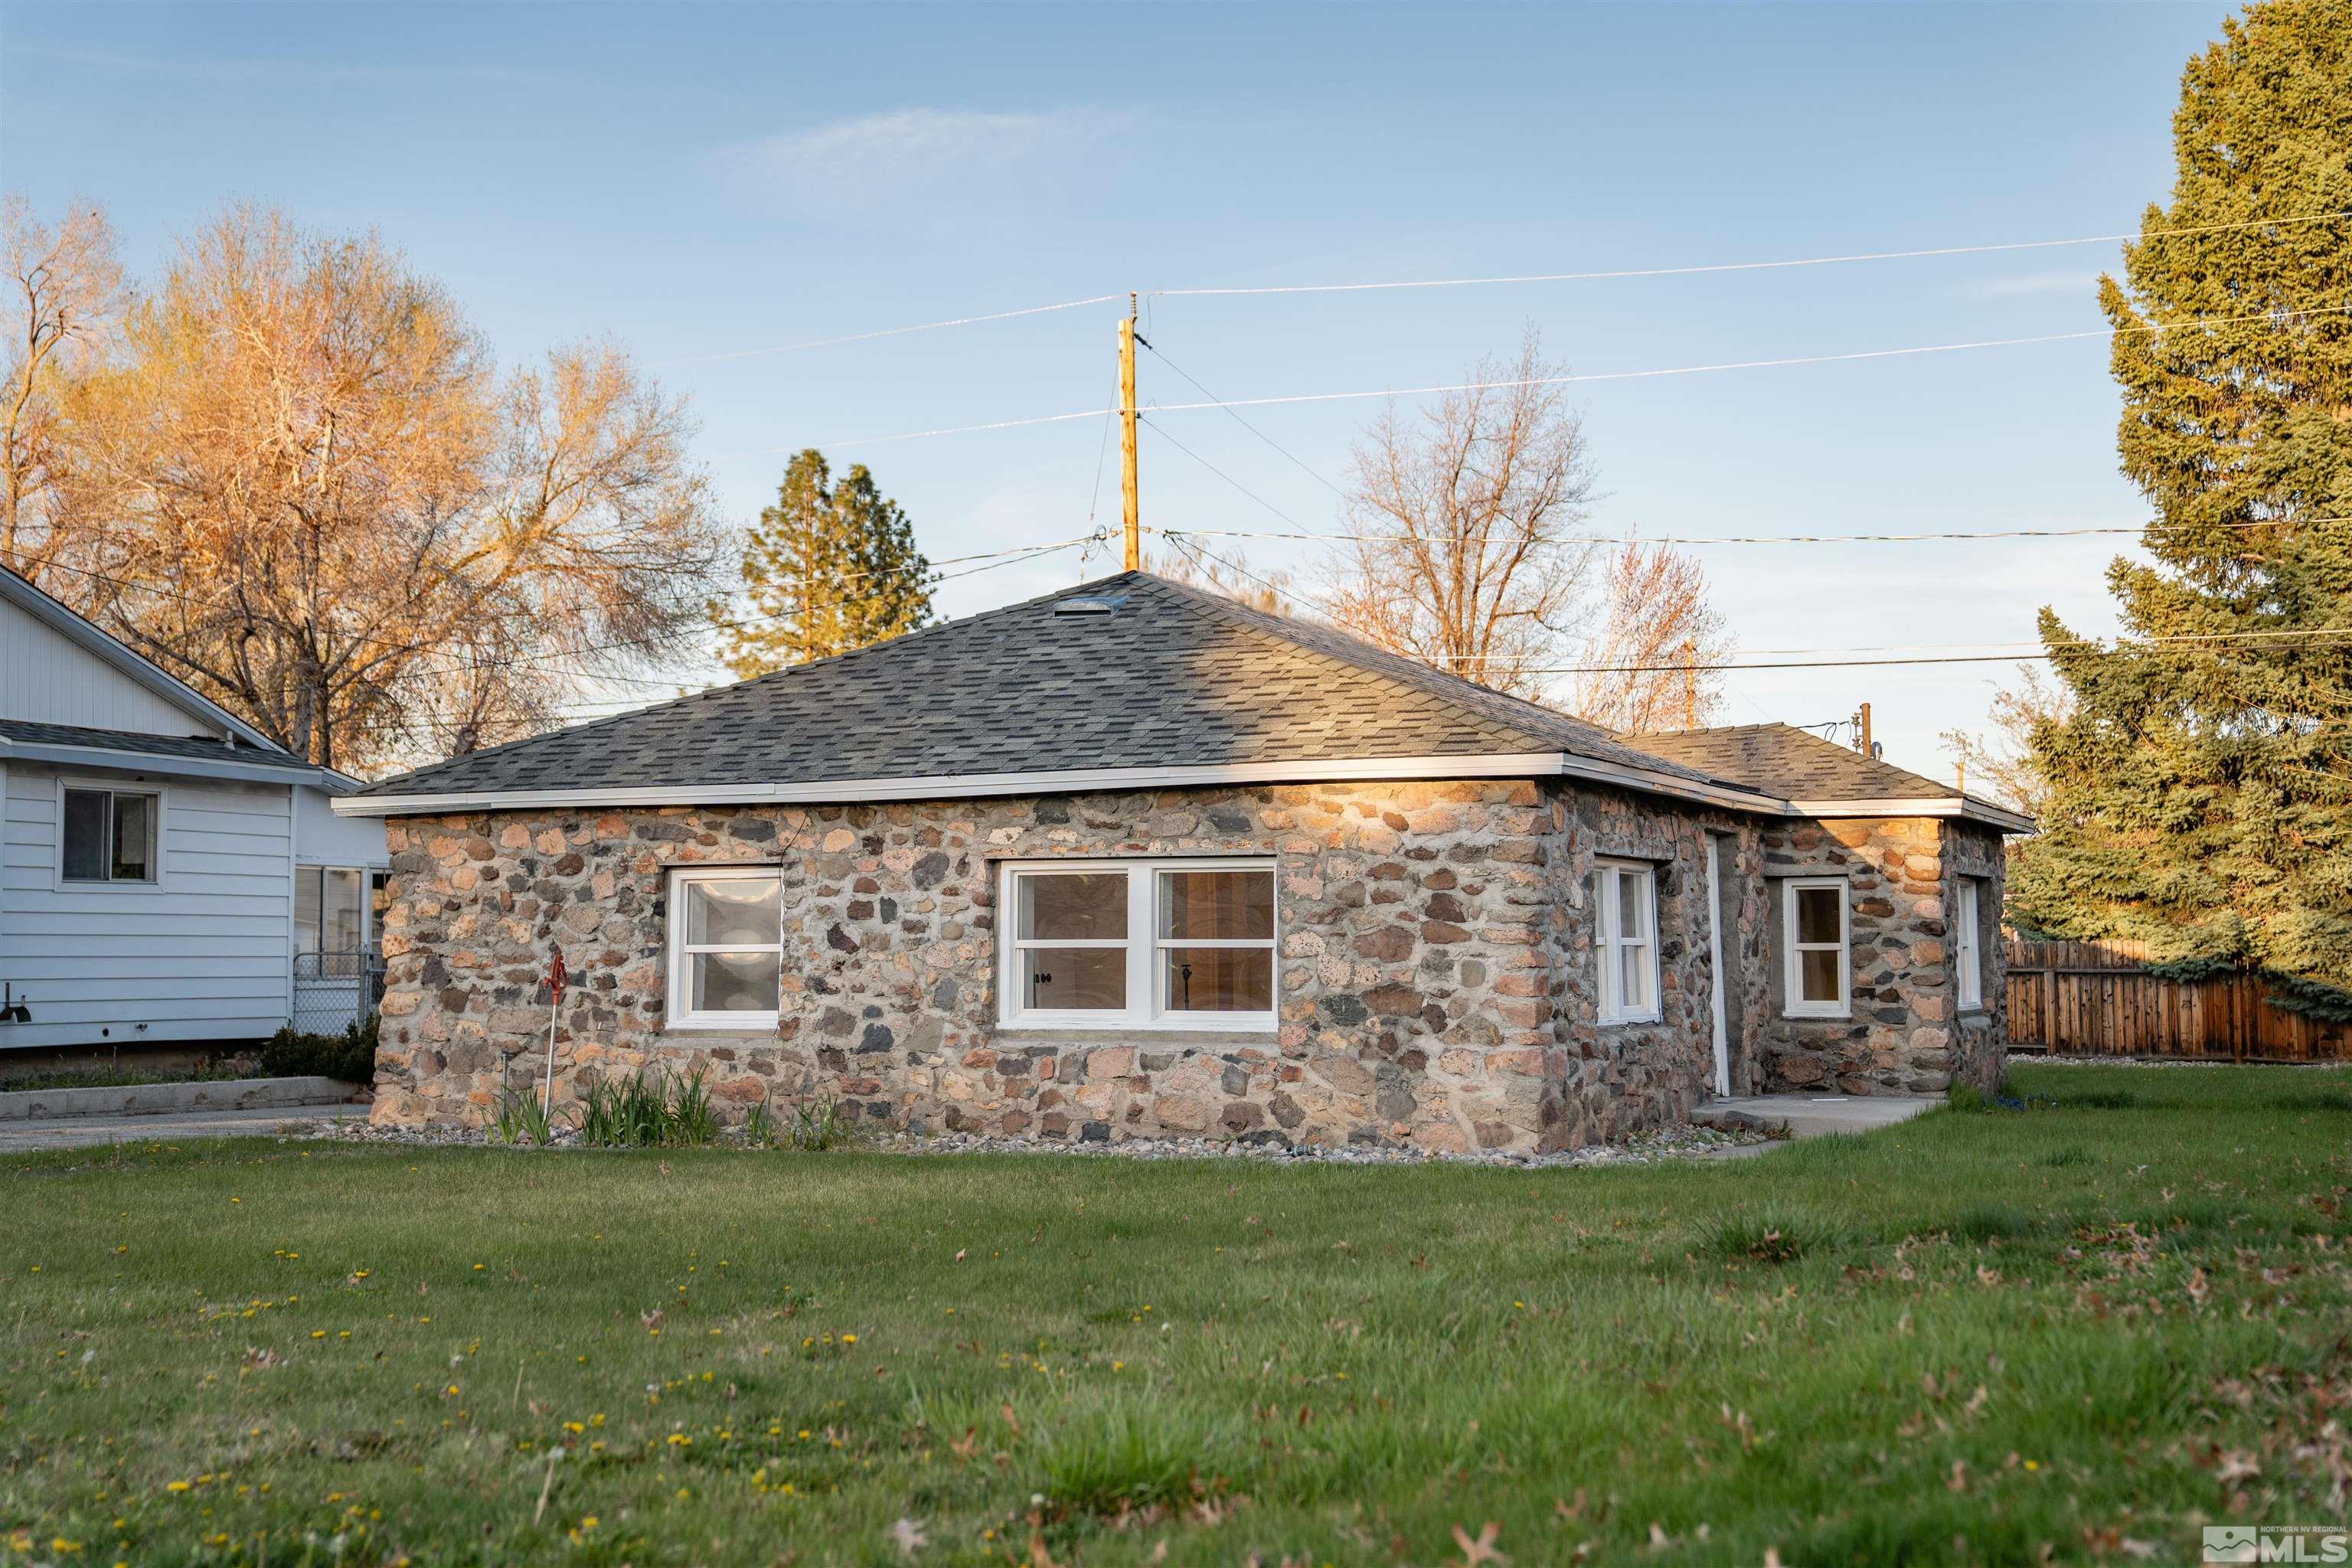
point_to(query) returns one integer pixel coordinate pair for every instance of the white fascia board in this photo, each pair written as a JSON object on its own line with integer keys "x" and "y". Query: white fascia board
{"x": 155, "y": 762}
{"x": 120, "y": 655}
{"x": 1505, "y": 764}
{"x": 1932, "y": 806}
{"x": 1706, "y": 790}
{"x": 1518, "y": 765}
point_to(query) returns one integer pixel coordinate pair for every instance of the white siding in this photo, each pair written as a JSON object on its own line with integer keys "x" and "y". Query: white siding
{"x": 322, "y": 838}
{"x": 47, "y": 679}
{"x": 204, "y": 956}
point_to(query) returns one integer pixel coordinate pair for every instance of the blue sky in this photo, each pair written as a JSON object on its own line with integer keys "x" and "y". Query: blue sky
{"x": 701, "y": 180}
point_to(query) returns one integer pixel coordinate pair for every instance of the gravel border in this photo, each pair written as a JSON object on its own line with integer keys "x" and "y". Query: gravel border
{"x": 1689, "y": 1142}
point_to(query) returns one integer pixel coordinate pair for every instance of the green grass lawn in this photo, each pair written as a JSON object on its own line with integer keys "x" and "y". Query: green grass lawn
{"x": 1979, "y": 1337}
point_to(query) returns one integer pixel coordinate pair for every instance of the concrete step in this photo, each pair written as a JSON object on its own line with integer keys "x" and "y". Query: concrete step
{"x": 1810, "y": 1115}
{"x": 175, "y": 1098}
{"x": 174, "y": 1127}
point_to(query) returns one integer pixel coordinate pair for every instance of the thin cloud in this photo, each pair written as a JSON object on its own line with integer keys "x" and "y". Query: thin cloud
{"x": 2022, "y": 284}
{"x": 924, "y": 161}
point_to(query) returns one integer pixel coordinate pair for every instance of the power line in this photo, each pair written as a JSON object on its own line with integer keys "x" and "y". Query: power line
{"x": 899, "y": 332}
{"x": 1229, "y": 479}
{"x": 2200, "y": 322}
{"x": 1816, "y": 538}
{"x": 1522, "y": 278}
{"x": 1751, "y": 265}
{"x": 1009, "y": 556}
{"x": 1245, "y": 424}
{"x": 2335, "y": 636}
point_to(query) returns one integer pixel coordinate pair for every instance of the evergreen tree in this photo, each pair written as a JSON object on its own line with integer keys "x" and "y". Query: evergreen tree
{"x": 832, "y": 566}
{"x": 2201, "y": 790}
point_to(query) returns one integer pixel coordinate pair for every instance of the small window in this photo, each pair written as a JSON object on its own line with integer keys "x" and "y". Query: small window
{"x": 1626, "y": 894}
{"x": 1968, "y": 936}
{"x": 1814, "y": 928}
{"x": 1098, "y": 944}
{"x": 329, "y": 922}
{"x": 109, "y": 836}
{"x": 726, "y": 950}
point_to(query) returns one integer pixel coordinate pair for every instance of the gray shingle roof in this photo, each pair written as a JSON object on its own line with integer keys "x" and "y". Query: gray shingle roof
{"x": 1172, "y": 676}
{"x": 28, "y": 733}
{"x": 1795, "y": 764}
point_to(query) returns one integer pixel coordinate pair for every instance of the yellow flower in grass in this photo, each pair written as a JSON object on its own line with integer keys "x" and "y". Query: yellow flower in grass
{"x": 176, "y": 1486}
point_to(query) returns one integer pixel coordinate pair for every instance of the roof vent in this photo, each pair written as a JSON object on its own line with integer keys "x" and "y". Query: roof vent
{"x": 1089, "y": 604}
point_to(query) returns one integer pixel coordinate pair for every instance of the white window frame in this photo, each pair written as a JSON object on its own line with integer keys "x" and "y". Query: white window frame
{"x": 1967, "y": 946}
{"x": 1148, "y": 1005}
{"x": 1792, "y": 998}
{"x": 154, "y": 882}
{"x": 679, "y": 1015}
{"x": 1610, "y": 941}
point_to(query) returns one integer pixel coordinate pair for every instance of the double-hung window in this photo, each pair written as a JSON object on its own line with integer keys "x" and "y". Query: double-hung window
{"x": 1137, "y": 943}
{"x": 726, "y": 950}
{"x": 1819, "y": 976}
{"x": 1967, "y": 971}
{"x": 109, "y": 836}
{"x": 1626, "y": 896}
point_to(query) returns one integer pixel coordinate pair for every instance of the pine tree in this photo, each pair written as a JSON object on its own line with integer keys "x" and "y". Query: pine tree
{"x": 2201, "y": 790}
{"x": 832, "y": 566}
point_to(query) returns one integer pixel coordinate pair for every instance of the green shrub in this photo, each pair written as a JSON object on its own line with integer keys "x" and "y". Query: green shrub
{"x": 349, "y": 1056}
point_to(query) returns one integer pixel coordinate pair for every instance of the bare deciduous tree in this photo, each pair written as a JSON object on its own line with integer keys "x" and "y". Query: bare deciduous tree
{"x": 68, "y": 286}
{"x": 1228, "y": 572}
{"x": 322, "y": 507}
{"x": 1645, "y": 668}
{"x": 2000, "y": 766}
{"x": 1464, "y": 555}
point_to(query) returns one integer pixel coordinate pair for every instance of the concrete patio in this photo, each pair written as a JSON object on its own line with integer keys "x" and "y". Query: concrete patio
{"x": 1812, "y": 1115}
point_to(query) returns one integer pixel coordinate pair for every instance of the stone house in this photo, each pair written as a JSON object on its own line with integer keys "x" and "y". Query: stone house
{"x": 1134, "y": 860}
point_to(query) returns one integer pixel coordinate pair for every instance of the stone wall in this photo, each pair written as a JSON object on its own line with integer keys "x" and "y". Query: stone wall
{"x": 1435, "y": 964}
{"x": 1419, "y": 934}
{"x": 1904, "y": 1034}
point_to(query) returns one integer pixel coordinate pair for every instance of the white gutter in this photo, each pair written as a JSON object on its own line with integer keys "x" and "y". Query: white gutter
{"x": 1929, "y": 805}
{"x": 1512, "y": 765}
{"x": 1506, "y": 764}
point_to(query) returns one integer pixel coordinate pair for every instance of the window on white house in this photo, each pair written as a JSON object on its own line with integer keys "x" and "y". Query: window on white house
{"x": 1814, "y": 928}
{"x": 1626, "y": 897}
{"x": 109, "y": 836}
{"x": 1968, "y": 968}
{"x": 328, "y": 921}
{"x": 1100, "y": 943}
{"x": 726, "y": 948}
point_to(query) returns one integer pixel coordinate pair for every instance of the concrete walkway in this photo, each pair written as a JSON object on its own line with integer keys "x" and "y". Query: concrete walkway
{"x": 184, "y": 1127}
{"x": 1810, "y": 1115}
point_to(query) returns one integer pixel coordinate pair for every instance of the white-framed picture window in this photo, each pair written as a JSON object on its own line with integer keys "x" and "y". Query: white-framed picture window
{"x": 108, "y": 835}
{"x": 726, "y": 947}
{"x": 1968, "y": 946}
{"x": 1815, "y": 927}
{"x": 1626, "y": 900}
{"x": 1137, "y": 943}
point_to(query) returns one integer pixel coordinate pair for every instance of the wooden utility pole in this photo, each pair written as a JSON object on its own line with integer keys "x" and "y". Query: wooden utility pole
{"x": 1862, "y": 731}
{"x": 1127, "y": 488}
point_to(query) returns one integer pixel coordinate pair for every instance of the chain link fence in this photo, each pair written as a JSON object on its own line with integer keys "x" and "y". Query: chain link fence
{"x": 334, "y": 991}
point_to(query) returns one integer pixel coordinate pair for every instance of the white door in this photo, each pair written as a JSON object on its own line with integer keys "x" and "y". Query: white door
{"x": 1715, "y": 967}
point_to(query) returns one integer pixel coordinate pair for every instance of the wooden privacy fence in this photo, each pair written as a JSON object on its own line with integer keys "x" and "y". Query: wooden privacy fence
{"x": 2094, "y": 999}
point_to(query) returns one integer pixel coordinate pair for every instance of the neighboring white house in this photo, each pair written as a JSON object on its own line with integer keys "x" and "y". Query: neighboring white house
{"x": 166, "y": 873}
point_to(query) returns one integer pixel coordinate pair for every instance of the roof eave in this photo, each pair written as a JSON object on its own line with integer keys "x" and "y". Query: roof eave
{"x": 1333, "y": 770}
{"x": 1982, "y": 811}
